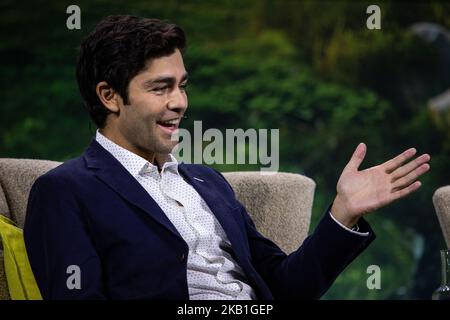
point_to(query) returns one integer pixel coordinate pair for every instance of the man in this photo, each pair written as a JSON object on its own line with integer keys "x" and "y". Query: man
{"x": 135, "y": 224}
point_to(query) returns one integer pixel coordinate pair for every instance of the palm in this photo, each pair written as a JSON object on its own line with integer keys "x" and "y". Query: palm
{"x": 370, "y": 189}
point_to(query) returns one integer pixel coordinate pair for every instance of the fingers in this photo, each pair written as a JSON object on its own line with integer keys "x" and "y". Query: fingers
{"x": 357, "y": 157}
{"x": 396, "y": 162}
{"x": 406, "y": 169}
{"x": 411, "y": 177}
{"x": 405, "y": 191}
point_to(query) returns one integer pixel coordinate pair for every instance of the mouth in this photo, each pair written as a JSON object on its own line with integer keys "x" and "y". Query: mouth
{"x": 169, "y": 126}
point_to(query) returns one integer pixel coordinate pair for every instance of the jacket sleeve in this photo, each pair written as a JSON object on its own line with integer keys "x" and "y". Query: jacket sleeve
{"x": 308, "y": 272}
{"x": 61, "y": 254}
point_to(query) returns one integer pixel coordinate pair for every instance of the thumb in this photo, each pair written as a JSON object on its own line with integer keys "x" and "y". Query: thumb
{"x": 357, "y": 157}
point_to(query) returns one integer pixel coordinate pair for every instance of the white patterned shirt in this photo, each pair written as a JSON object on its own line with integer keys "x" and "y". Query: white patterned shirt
{"x": 212, "y": 273}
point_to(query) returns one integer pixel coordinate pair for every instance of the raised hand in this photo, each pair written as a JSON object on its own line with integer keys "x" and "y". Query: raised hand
{"x": 361, "y": 192}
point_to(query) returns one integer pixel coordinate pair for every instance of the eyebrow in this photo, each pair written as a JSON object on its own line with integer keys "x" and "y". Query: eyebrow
{"x": 163, "y": 80}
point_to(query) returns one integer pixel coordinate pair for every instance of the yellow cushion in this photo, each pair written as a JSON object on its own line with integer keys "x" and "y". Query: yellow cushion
{"x": 20, "y": 278}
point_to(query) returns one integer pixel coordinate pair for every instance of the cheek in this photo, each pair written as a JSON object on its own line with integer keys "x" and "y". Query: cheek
{"x": 145, "y": 111}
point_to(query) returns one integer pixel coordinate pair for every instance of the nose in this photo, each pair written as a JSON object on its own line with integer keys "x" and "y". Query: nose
{"x": 178, "y": 101}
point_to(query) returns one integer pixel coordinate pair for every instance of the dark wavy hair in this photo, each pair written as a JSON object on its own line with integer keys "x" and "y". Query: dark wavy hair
{"x": 116, "y": 51}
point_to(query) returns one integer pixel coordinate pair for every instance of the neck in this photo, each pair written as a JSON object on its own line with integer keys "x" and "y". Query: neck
{"x": 154, "y": 158}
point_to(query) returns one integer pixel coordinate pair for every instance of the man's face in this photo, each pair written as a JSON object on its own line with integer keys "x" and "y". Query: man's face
{"x": 156, "y": 95}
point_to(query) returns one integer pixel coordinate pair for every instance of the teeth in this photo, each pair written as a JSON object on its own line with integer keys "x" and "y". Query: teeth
{"x": 173, "y": 121}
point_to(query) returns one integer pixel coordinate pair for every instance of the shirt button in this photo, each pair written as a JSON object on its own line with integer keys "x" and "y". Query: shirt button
{"x": 179, "y": 203}
{"x": 182, "y": 257}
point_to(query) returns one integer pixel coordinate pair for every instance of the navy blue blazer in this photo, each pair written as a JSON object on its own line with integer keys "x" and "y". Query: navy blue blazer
{"x": 91, "y": 213}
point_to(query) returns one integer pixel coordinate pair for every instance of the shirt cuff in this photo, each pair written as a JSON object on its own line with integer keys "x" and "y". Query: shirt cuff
{"x": 348, "y": 229}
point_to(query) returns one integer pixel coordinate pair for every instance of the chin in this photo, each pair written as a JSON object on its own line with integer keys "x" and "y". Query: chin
{"x": 167, "y": 148}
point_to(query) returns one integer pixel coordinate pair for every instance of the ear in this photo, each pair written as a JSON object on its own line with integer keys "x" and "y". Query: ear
{"x": 108, "y": 96}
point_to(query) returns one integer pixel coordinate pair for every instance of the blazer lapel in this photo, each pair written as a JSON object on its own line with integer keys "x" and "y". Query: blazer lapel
{"x": 223, "y": 212}
{"x": 217, "y": 204}
{"x": 110, "y": 171}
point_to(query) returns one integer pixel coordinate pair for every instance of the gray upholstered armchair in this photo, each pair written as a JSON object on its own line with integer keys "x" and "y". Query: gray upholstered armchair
{"x": 441, "y": 201}
{"x": 280, "y": 204}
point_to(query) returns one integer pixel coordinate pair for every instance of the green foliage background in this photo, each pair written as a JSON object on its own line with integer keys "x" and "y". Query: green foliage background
{"x": 310, "y": 68}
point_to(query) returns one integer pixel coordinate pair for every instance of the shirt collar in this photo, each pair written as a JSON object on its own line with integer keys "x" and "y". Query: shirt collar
{"x": 132, "y": 162}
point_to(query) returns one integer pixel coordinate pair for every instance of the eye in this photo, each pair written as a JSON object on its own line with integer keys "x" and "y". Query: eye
{"x": 160, "y": 90}
{"x": 183, "y": 86}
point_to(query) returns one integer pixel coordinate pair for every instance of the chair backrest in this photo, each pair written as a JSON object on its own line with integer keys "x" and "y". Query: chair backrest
{"x": 441, "y": 201}
{"x": 16, "y": 178}
{"x": 280, "y": 204}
